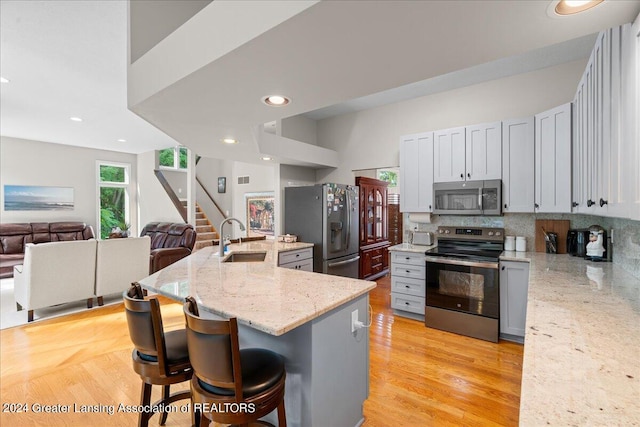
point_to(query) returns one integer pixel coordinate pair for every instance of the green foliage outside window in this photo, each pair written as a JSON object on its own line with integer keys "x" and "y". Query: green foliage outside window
{"x": 112, "y": 174}
{"x": 112, "y": 209}
{"x": 168, "y": 155}
{"x": 390, "y": 176}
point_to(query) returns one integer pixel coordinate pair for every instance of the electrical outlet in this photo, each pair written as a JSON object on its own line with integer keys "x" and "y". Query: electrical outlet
{"x": 354, "y": 320}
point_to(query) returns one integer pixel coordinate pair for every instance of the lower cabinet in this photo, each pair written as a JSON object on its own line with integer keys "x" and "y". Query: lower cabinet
{"x": 408, "y": 286}
{"x": 301, "y": 259}
{"x": 514, "y": 286}
{"x": 374, "y": 261}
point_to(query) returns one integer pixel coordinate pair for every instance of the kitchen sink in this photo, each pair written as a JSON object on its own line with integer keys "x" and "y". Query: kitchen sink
{"x": 246, "y": 257}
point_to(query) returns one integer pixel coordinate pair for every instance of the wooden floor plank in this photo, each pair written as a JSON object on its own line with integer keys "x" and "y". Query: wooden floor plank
{"x": 418, "y": 376}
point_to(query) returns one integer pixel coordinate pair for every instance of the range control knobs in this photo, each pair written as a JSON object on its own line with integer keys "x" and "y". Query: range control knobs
{"x": 498, "y": 233}
{"x": 440, "y": 231}
{"x": 447, "y": 231}
{"x": 491, "y": 233}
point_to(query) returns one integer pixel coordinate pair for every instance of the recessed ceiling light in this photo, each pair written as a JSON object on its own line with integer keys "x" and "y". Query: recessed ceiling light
{"x": 570, "y": 7}
{"x": 3, "y": 80}
{"x": 266, "y": 158}
{"x": 230, "y": 141}
{"x": 122, "y": 140}
{"x": 75, "y": 119}
{"x": 276, "y": 100}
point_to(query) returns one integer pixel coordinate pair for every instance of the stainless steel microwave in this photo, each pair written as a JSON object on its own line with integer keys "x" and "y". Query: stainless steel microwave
{"x": 468, "y": 198}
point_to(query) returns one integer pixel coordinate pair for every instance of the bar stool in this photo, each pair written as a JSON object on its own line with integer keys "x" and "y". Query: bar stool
{"x": 231, "y": 386}
{"x": 159, "y": 358}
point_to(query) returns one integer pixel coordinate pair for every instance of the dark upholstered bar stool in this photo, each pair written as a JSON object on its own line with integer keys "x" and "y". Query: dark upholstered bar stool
{"x": 243, "y": 385}
{"x": 159, "y": 358}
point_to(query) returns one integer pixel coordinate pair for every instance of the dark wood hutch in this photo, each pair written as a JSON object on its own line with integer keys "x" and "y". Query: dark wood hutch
{"x": 373, "y": 236}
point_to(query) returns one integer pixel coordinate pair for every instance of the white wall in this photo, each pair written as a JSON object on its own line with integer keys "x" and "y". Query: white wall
{"x": 178, "y": 181}
{"x": 208, "y": 172}
{"x": 26, "y": 162}
{"x": 261, "y": 179}
{"x": 299, "y": 128}
{"x": 369, "y": 139}
{"x": 154, "y": 204}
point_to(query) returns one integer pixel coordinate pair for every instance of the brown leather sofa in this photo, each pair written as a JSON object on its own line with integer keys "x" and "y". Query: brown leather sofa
{"x": 14, "y": 237}
{"x": 169, "y": 243}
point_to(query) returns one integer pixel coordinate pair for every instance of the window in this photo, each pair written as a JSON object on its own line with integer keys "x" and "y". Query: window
{"x": 113, "y": 197}
{"x": 174, "y": 157}
{"x": 389, "y": 175}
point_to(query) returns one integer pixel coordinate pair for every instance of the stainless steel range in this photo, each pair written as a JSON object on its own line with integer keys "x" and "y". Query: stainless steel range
{"x": 463, "y": 281}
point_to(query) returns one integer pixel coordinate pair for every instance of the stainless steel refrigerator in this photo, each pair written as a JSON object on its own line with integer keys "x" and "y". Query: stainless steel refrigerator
{"x": 327, "y": 216}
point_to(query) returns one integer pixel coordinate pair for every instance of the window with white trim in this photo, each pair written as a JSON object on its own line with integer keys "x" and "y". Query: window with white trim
{"x": 174, "y": 158}
{"x": 113, "y": 197}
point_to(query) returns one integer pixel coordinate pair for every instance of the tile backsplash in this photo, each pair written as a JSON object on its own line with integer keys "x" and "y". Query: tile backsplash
{"x": 626, "y": 237}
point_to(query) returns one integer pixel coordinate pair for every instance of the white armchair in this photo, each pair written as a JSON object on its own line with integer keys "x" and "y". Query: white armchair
{"x": 120, "y": 262}
{"x": 55, "y": 273}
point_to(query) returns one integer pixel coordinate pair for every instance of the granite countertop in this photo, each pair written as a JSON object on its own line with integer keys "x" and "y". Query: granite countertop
{"x": 582, "y": 340}
{"x": 260, "y": 294}
{"x": 408, "y": 247}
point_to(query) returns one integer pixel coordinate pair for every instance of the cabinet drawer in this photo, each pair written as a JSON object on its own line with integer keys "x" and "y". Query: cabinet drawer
{"x": 304, "y": 265}
{"x": 410, "y": 271}
{"x": 411, "y": 258}
{"x": 291, "y": 256}
{"x": 403, "y": 285}
{"x": 407, "y": 303}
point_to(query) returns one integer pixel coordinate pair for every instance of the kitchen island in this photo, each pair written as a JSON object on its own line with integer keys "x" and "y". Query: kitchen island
{"x": 582, "y": 341}
{"x": 306, "y": 317}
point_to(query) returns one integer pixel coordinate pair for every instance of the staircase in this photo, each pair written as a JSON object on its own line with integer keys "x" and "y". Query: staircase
{"x": 206, "y": 233}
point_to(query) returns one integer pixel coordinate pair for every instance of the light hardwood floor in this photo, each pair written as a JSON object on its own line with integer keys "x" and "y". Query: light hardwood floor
{"x": 418, "y": 376}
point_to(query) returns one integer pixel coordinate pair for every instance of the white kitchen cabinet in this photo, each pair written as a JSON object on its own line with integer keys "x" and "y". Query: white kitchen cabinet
{"x": 605, "y": 154}
{"x": 416, "y": 176}
{"x": 408, "y": 284}
{"x": 471, "y": 153}
{"x": 301, "y": 259}
{"x": 518, "y": 179}
{"x": 514, "y": 287}
{"x": 449, "y": 153}
{"x": 553, "y": 160}
{"x": 484, "y": 151}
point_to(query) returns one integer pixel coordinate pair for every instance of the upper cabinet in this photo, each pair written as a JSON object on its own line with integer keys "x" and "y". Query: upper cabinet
{"x": 518, "y": 165}
{"x": 605, "y": 137}
{"x": 449, "y": 155}
{"x": 416, "y": 178}
{"x": 553, "y": 160}
{"x": 468, "y": 153}
{"x": 484, "y": 151}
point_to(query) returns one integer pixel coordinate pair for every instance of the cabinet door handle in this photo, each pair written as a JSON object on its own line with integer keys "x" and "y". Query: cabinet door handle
{"x": 462, "y": 175}
{"x": 407, "y": 286}
{"x": 469, "y": 175}
{"x": 535, "y": 205}
{"x": 503, "y": 268}
{"x": 590, "y": 203}
{"x": 429, "y": 207}
{"x": 575, "y": 204}
{"x": 505, "y": 206}
{"x": 406, "y": 303}
{"x": 603, "y": 202}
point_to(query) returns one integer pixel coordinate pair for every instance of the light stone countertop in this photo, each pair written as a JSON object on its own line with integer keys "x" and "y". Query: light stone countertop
{"x": 408, "y": 247}
{"x": 581, "y": 365}
{"x": 259, "y": 294}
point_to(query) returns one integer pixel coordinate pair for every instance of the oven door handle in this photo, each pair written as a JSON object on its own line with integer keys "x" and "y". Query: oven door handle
{"x": 439, "y": 260}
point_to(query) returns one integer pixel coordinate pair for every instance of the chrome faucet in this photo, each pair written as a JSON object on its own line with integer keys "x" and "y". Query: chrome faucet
{"x": 242, "y": 228}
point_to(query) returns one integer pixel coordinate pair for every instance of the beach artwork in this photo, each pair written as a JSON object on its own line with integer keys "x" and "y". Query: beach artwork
{"x": 37, "y": 198}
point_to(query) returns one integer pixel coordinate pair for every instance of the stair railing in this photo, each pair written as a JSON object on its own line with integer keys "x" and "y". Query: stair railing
{"x": 211, "y": 198}
{"x": 172, "y": 195}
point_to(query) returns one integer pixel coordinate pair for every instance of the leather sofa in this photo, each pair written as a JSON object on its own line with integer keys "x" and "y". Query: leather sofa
{"x": 14, "y": 237}
{"x": 170, "y": 242}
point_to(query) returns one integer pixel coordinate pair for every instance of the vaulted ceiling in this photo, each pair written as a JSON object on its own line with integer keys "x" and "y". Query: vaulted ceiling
{"x": 205, "y": 80}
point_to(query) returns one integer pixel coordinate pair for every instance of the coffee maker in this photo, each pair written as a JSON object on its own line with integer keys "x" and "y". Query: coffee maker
{"x": 596, "y": 249}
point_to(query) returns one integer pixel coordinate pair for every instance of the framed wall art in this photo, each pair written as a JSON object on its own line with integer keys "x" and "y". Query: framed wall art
{"x": 222, "y": 184}
{"x": 38, "y": 198}
{"x": 260, "y": 214}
